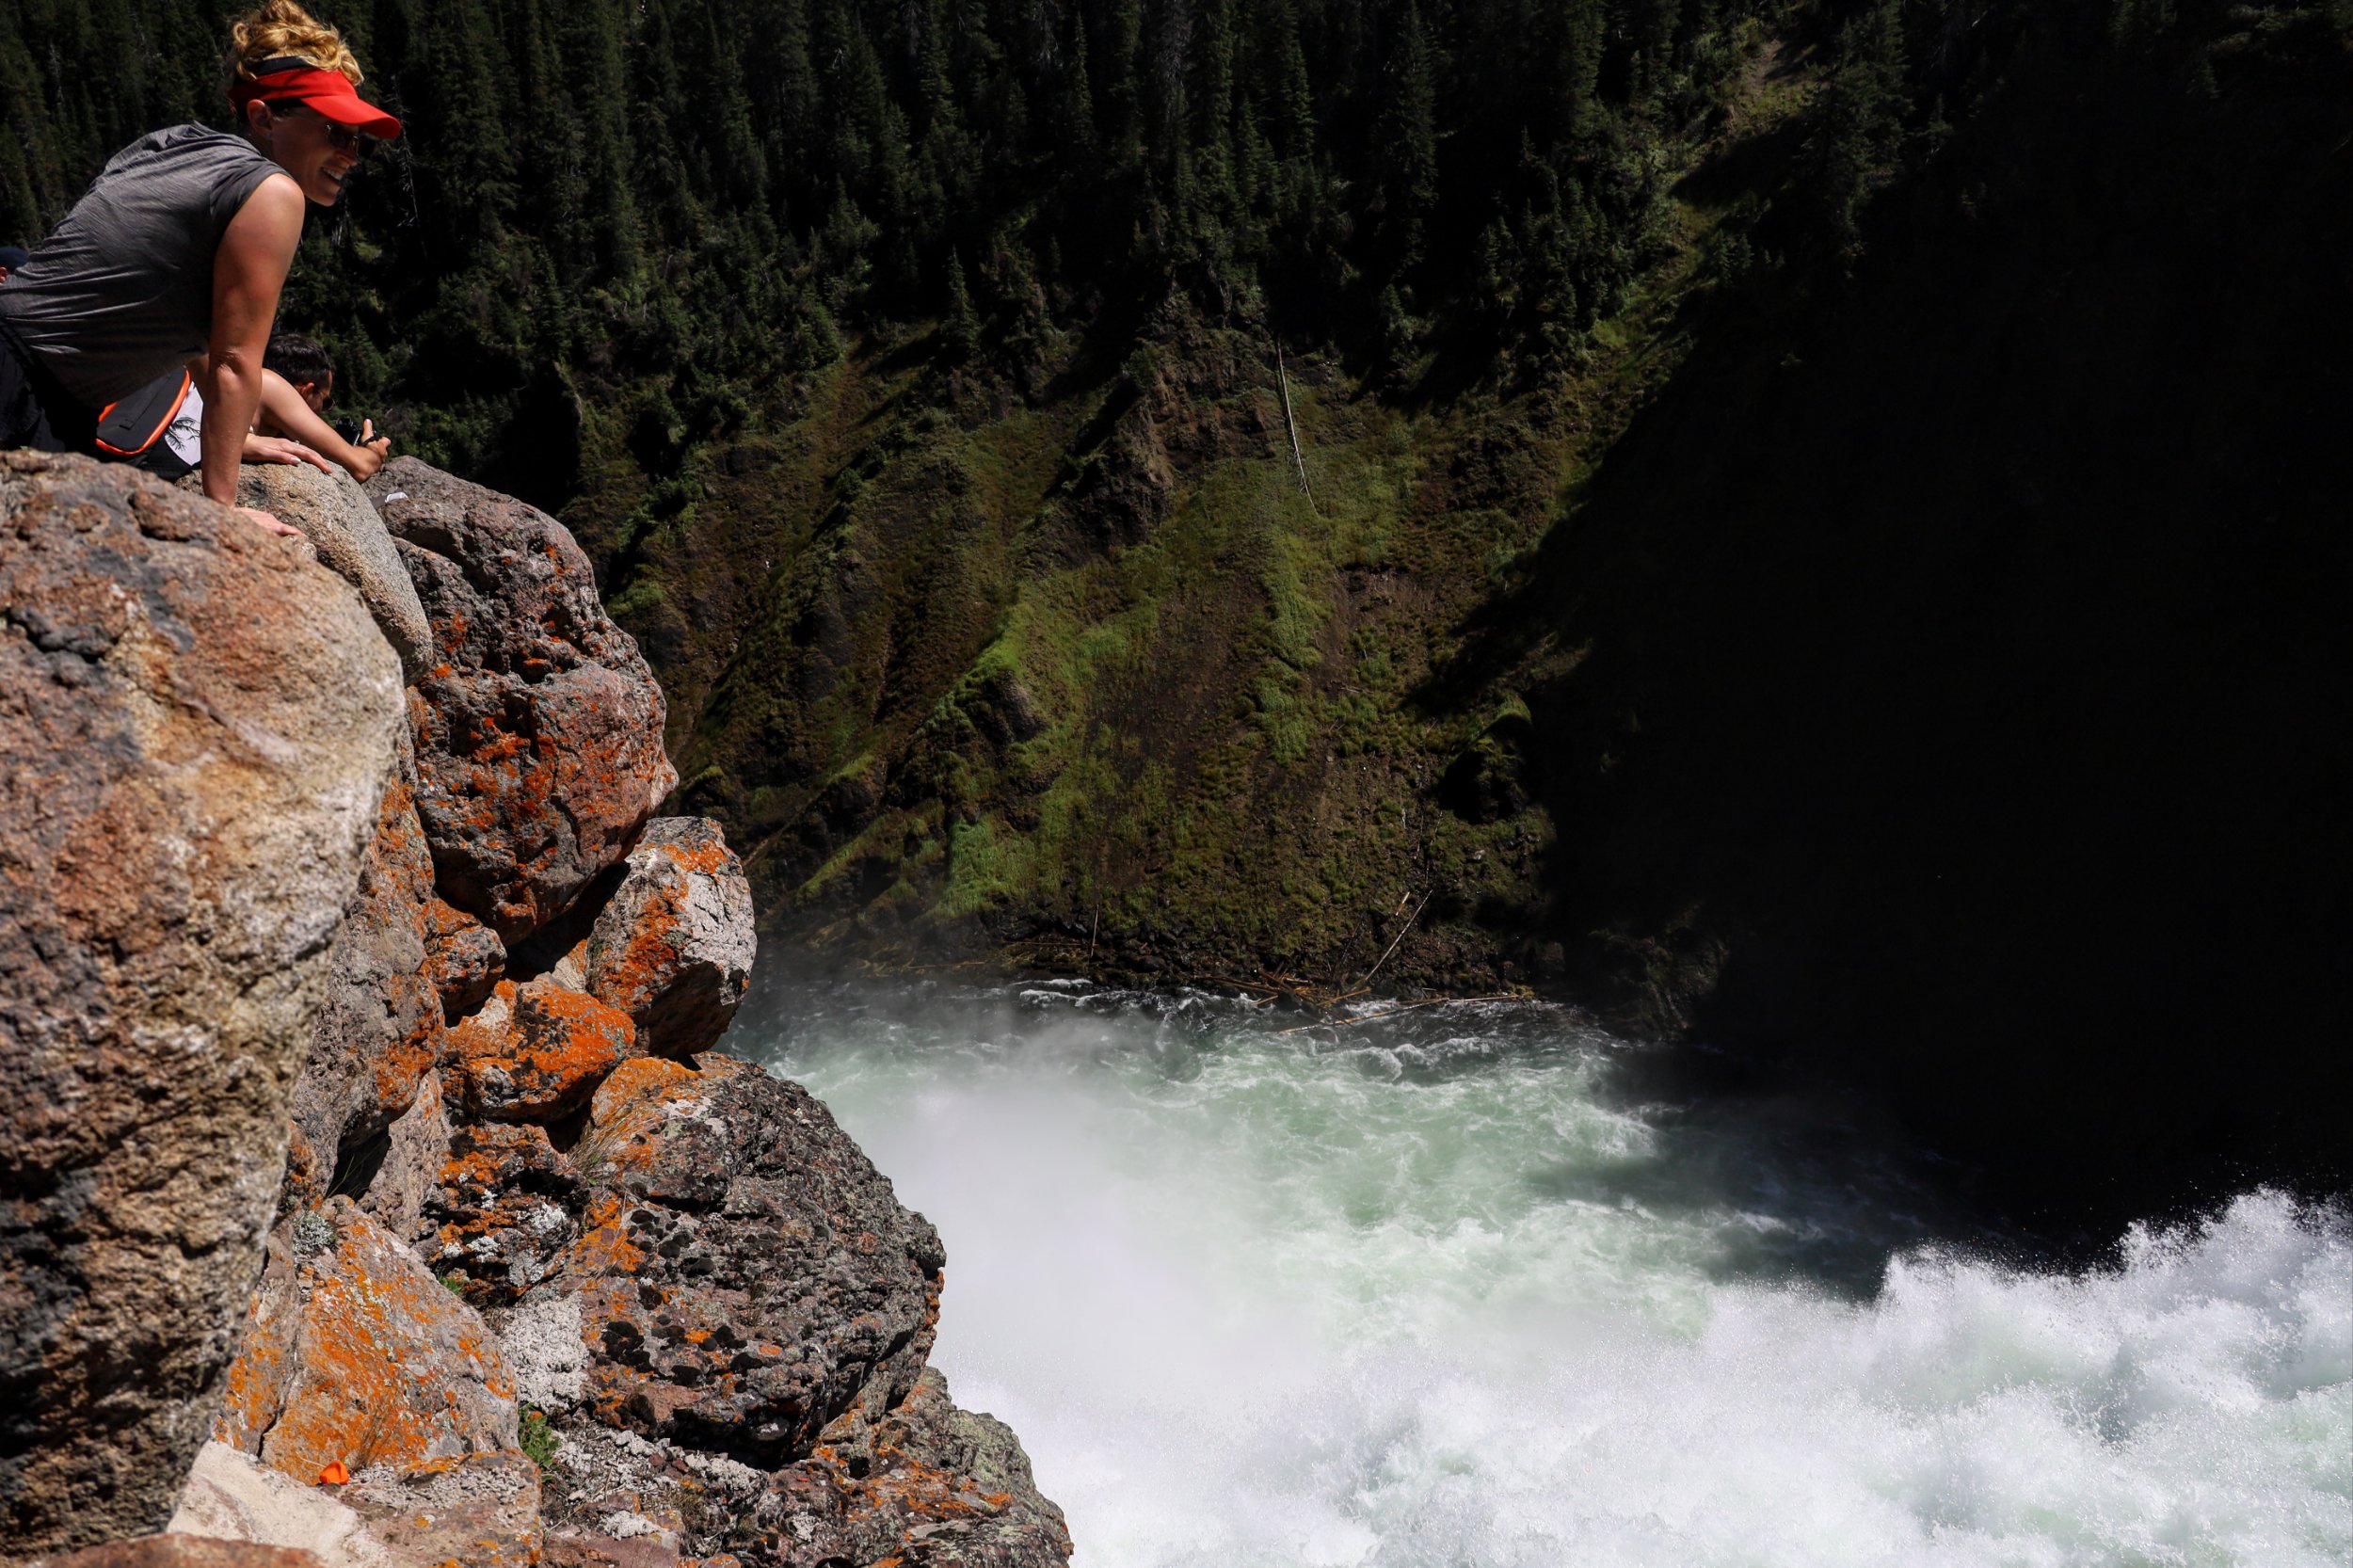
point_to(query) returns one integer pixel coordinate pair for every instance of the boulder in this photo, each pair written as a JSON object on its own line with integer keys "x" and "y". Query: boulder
{"x": 673, "y": 946}
{"x": 381, "y": 1028}
{"x": 342, "y": 526}
{"x": 199, "y": 721}
{"x": 731, "y": 1271}
{"x": 234, "y": 1497}
{"x": 464, "y": 957}
{"x": 539, "y": 727}
{"x": 182, "y": 1551}
{"x": 744, "y": 1274}
{"x": 358, "y": 1355}
{"x": 925, "y": 1482}
{"x": 537, "y": 1052}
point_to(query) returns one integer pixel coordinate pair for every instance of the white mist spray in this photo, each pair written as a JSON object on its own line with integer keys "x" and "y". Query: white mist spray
{"x": 1428, "y": 1300}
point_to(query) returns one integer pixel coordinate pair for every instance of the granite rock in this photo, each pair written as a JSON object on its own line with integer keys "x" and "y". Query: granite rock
{"x": 358, "y": 1355}
{"x": 673, "y": 946}
{"x": 342, "y": 526}
{"x": 539, "y": 727}
{"x": 199, "y": 721}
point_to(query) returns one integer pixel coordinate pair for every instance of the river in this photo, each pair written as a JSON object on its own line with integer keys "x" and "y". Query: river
{"x": 1478, "y": 1286}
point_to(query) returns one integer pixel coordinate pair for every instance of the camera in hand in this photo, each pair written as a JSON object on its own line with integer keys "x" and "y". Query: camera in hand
{"x": 348, "y": 430}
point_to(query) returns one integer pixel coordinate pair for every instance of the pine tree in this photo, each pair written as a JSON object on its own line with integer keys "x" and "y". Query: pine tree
{"x": 1409, "y": 139}
{"x": 1295, "y": 126}
{"x": 960, "y": 328}
{"x": 1074, "y": 117}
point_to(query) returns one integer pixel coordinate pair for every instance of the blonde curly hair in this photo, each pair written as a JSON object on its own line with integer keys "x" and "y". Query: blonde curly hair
{"x": 281, "y": 28}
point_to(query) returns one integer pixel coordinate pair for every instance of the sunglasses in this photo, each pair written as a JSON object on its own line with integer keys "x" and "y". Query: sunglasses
{"x": 343, "y": 138}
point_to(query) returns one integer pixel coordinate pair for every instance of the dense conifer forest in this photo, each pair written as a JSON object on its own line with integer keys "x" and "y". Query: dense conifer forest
{"x": 1809, "y": 522}
{"x": 667, "y": 211}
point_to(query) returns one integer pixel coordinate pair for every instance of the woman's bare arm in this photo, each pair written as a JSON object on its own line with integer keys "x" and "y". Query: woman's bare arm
{"x": 248, "y": 270}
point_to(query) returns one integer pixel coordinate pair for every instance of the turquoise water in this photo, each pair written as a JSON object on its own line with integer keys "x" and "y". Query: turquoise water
{"x": 1470, "y": 1288}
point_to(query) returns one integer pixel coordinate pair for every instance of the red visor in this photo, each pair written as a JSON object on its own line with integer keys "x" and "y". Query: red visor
{"x": 326, "y": 93}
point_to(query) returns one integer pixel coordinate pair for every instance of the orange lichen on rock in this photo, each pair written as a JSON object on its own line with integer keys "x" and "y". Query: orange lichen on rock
{"x": 259, "y": 1377}
{"x": 539, "y": 726}
{"x": 502, "y": 1210}
{"x": 631, "y": 1108}
{"x": 537, "y": 1052}
{"x": 400, "y": 872}
{"x": 360, "y": 1356}
{"x": 673, "y": 946}
{"x": 604, "y": 1246}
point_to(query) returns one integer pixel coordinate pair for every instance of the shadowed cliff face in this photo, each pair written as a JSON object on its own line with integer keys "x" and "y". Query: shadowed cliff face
{"x": 1963, "y": 713}
{"x": 1911, "y": 663}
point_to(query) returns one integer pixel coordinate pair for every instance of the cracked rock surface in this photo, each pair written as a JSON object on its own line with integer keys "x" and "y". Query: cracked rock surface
{"x": 745, "y": 1272}
{"x": 548, "y": 1281}
{"x": 538, "y": 726}
{"x": 199, "y": 722}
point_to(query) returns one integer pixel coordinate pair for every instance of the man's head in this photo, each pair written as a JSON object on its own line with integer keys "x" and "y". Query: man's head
{"x": 305, "y": 367}
{"x": 12, "y": 257}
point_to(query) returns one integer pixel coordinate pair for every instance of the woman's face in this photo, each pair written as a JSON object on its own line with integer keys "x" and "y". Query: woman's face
{"x": 318, "y": 153}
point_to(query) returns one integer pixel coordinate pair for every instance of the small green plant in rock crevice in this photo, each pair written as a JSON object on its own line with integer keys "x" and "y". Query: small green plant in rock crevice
{"x": 539, "y": 1441}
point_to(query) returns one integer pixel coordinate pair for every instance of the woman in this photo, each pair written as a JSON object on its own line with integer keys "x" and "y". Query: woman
{"x": 179, "y": 248}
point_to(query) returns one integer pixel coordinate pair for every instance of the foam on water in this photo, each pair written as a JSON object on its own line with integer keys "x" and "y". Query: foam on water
{"x": 1441, "y": 1293}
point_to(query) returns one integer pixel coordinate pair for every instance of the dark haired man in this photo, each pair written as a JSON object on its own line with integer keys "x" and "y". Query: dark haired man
{"x": 297, "y": 384}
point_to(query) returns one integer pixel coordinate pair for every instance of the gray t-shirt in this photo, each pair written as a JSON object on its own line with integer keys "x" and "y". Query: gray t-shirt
{"x": 122, "y": 292}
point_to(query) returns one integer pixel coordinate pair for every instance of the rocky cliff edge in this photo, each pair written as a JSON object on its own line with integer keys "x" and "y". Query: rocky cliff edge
{"x": 371, "y": 1194}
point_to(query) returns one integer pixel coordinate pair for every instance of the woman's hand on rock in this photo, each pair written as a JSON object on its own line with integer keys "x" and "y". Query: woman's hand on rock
{"x": 281, "y": 449}
{"x": 268, "y": 522}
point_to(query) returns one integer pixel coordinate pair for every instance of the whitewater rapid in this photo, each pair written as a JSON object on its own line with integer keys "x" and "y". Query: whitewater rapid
{"x": 1456, "y": 1290}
